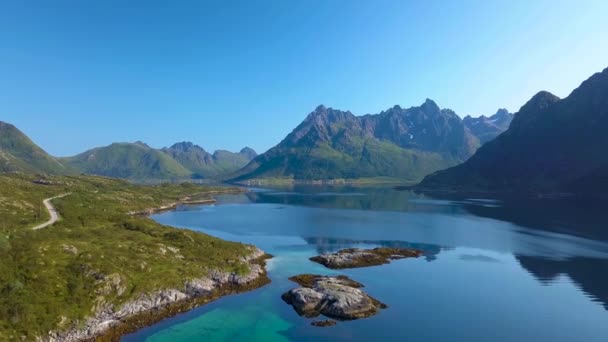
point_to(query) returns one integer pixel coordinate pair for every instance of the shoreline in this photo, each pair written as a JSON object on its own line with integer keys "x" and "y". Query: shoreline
{"x": 111, "y": 323}
{"x": 189, "y": 200}
{"x": 356, "y": 182}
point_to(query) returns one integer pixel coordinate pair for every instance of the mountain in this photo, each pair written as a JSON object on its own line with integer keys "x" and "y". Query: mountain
{"x": 399, "y": 143}
{"x": 135, "y": 161}
{"x": 487, "y": 128}
{"x": 204, "y": 164}
{"x": 19, "y": 153}
{"x": 552, "y": 145}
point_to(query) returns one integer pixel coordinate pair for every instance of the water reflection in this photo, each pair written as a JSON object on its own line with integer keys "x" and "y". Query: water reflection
{"x": 588, "y": 273}
{"x": 537, "y": 265}
{"x": 583, "y": 218}
{"x": 383, "y": 199}
{"x": 571, "y": 219}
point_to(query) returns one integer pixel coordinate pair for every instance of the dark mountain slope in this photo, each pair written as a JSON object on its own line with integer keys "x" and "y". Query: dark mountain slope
{"x": 551, "y": 145}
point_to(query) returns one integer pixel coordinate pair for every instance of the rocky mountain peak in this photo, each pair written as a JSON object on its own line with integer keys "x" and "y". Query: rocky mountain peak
{"x": 502, "y": 112}
{"x": 185, "y": 146}
{"x": 248, "y": 152}
{"x": 542, "y": 100}
{"x": 430, "y": 106}
{"x": 534, "y": 108}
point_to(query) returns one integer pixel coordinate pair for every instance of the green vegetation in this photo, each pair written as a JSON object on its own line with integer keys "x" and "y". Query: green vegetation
{"x": 366, "y": 159}
{"x": 330, "y": 144}
{"x": 203, "y": 164}
{"x": 97, "y": 254}
{"x": 356, "y": 257}
{"x": 135, "y": 161}
{"x": 19, "y": 153}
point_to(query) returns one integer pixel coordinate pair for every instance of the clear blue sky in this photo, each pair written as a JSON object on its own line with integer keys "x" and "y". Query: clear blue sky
{"x": 225, "y": 74}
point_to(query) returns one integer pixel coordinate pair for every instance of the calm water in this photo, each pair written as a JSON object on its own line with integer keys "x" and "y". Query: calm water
{"x": 494, "y": 270}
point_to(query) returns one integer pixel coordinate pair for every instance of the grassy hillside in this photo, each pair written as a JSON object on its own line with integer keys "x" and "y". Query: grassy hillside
{"x": 96, "y": 254}
{"x": 134, "y": 161}
{"x": 397, "y": 143}
{"x": 203, "y": 164}
{"x": 365, "y": 158}
{"x": 19, "y": 153}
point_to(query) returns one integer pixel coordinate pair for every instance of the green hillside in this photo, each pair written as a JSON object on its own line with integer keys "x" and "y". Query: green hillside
{"x": 405, "y": 144}
{"x": 96, "y": 255}
{"x": 203, "y": 164}
{"x": 19, "y": 153}
{"x": 134, "y": 161}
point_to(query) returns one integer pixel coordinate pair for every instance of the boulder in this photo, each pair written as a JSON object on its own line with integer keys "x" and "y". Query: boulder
{"x": 337, "y": 297}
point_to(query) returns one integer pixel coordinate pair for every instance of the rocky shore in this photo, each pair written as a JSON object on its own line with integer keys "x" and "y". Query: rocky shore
{"x": 356, "y": 257}
{"x": 110, "y": 323}
{"x": 337, "y": 297}
{"x": 196, "y": 199}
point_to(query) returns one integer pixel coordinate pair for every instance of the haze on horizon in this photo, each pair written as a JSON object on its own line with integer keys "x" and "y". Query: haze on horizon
{"x": 228, "y": 74}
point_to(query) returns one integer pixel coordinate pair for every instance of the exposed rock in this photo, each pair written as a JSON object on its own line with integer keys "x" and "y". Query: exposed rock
{"x": 356, "y": 257}
{"x": 325, "y": 323}
{"x": 70, "y": 249}
{"x": 334, "y": 144}
{"x": 148, "y": 308}
{"x": 110, "y": 284}
{"x": 337, "y": 297}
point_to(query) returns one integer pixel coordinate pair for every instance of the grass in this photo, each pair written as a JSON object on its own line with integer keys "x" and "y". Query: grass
{"x": 96, "y": 255}
{"x": 350, "y": 158}
{"x": 133, "y": 161}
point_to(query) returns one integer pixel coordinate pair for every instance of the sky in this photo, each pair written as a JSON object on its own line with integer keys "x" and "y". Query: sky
{"x": 227, "y": 74}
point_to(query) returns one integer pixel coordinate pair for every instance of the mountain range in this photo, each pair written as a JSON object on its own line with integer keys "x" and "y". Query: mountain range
{"x": 552, "y": 145}
{"x": 204, "y": 164}
{"x": 549, "y": 145}
{"x": 488, "y": 128}
{"x": 135, "y": 161}
{"x": 404, "y": 143}
{"x": 138, "y": 161}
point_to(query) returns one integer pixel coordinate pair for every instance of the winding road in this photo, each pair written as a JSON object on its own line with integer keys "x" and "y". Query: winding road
{"x": 52, "y": 211}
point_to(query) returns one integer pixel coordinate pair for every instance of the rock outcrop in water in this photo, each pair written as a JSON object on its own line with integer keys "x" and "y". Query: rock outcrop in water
{"x": 356, "y": 257}
{"x": 337, "y": 297}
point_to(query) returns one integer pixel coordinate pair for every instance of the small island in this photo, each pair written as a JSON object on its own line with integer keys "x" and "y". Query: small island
{"x": 332, "y": 296}
{"x": 356, "y": 257}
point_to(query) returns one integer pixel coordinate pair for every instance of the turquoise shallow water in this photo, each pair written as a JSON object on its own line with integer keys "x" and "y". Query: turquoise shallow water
{"x": 498, "y": 270}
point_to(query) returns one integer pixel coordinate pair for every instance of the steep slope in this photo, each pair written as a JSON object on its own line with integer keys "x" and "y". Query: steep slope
{"x": 488, "y": 128}
{"x": 135, "y": 161}
{"x": 400, "y": 143}
{"x": 551, "y": 145}
{"x": 204, "y": 164}
{"x": 19, "y": 153}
